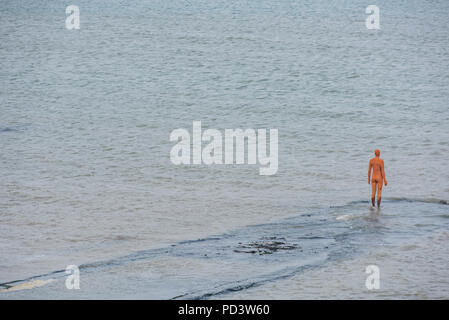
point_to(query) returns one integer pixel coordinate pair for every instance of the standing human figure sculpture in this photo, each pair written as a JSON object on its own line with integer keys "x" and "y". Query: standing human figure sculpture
{"x": 378, "y": 178}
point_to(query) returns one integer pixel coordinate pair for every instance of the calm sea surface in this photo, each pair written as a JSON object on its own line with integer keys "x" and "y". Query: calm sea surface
{"x": 86, "y": 176}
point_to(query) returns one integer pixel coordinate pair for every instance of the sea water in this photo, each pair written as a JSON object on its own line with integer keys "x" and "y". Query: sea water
{"x": 86, "y": 176}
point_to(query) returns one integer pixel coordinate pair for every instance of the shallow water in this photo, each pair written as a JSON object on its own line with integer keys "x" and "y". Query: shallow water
{"x": 265, "y": 255}
{"x": 86, "y": 118}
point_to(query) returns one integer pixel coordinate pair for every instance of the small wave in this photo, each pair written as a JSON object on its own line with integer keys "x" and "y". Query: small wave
{"x": 344, "y": 217}
{"x": 199, "y": 240}
{"x": 428, "y": 200}
{"x": 26, "y": 285}
{"x": 244, "y": 284}
{"x": 395, "y": 199}
{"x": 7, "y": 129}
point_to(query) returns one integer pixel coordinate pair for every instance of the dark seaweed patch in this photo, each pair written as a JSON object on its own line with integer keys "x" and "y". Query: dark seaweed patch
{"x": 266, "y": 245}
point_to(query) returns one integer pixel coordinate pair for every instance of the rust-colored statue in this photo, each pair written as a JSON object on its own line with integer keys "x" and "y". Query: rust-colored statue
{"x": 377, "y": 164}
